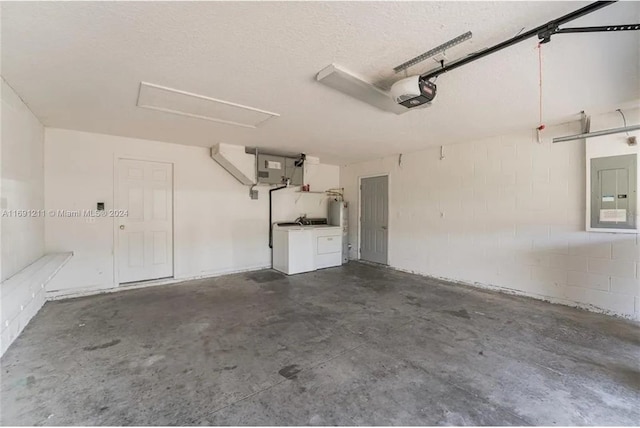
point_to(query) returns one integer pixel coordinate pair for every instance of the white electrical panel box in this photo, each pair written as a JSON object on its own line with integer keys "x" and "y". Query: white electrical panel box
{"x": 613, "y": 192}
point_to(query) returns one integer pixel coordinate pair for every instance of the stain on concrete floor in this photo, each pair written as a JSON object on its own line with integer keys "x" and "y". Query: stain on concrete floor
{"x": 290, "y": 372}
{"x": 462, "y": 313}
{"x": 355, "y": 345}
{"x": 265, "y": 276}
{"x": 102, "y": 345}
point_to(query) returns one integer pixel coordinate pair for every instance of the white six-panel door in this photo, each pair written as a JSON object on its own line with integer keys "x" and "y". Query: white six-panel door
{"x": 145, "y": 235}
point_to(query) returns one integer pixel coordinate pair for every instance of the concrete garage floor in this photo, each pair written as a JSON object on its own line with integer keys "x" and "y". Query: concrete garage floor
{"x": 351, "y": 345}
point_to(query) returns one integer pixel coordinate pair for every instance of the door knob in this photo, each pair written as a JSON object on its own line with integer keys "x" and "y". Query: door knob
{"x": 122, "y": 227}
{"x": 384, "y": 227}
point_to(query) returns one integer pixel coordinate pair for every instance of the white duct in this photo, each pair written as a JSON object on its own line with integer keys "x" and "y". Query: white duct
{"x": 238, "y": 163}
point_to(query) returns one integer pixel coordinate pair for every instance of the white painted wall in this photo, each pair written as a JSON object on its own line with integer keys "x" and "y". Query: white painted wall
{"x": 22, "y": 188}
{"x": 504, "y": 212}
{"x": 22, "y": 183}
{"x": 217, "y": 228}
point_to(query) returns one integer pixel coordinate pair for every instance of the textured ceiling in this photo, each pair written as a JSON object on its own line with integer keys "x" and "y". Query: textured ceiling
{"x": 78, "y": 65}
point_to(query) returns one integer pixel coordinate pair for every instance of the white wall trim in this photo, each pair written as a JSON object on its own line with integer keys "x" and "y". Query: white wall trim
{"x": 520, "y": 293}
{"x": 71, "y": 294}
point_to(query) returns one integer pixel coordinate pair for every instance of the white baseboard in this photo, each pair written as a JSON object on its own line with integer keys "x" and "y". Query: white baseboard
{"x": 69, "y": 294}
{"x": 73, "y": 293}
{"x": 515, "y": 292}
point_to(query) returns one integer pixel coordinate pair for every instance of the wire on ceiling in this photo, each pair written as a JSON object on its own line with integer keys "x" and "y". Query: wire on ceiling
{"x": 624, "y": 119}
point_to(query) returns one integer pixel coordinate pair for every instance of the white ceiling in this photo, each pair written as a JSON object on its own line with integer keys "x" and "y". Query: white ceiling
{"x": 78, "y": 65}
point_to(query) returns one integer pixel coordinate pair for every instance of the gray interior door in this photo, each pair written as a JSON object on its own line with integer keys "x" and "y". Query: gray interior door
{"x": 374, "y": 219}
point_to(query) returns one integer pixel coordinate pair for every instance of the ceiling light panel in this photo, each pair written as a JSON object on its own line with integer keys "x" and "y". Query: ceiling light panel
{"x": 169, "y": 100}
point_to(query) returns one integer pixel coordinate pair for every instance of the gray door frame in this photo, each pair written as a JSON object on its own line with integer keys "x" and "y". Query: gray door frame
{"x": 360, "y": 178}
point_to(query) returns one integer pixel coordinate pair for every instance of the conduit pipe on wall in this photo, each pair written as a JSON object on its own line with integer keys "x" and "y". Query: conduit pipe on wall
{"x": 596, "y": 133}
{"x": 275, "y": 189}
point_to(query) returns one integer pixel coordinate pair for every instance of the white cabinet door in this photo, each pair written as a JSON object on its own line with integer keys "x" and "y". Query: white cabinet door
{"x": 145, "y": 235}
{"x": 301, "y": 251}
{"x": 329, "y": 244}
{"x": 328, "y": 247}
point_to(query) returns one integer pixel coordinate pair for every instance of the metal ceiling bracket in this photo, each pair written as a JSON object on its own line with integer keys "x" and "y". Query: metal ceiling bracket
{"x": 585, "y": 123}
{"x": 602, "y": 28}
{"x": 435, "y": 51}
{"x": 599, "y": 29}
{"x": 545, "y": 35}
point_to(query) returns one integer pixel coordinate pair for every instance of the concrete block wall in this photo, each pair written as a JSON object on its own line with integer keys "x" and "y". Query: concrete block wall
{"x": 21, "y": 235}
{"x": 24, "y": 294}
{"x": 504, "y": 212}
{"x": 22, "y": 172}
{"x": 18, "y": 308}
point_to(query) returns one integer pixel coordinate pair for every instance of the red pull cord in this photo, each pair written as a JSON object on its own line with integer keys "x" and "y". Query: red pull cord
{"x": 541, "y": 126}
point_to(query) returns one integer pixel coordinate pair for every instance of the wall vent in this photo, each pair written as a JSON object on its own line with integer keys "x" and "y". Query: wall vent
{"x": 169, "y": 100}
